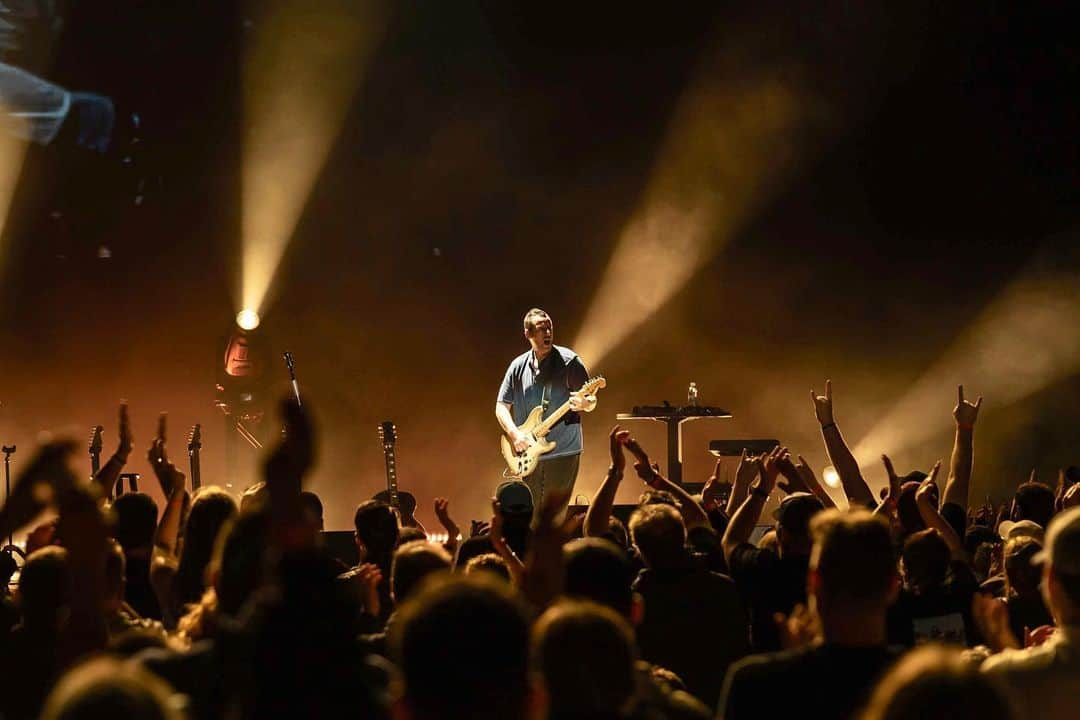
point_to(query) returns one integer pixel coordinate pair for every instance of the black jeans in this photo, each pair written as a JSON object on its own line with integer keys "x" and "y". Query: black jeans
{"x": 557, "y": 474}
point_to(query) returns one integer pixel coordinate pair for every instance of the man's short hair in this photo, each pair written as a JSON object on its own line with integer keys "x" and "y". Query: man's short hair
{"x": 1021, "y": 572}
{"x": 532, "y": 317}
{"x": 453, "y": 612}
{"x": 43, "y": 584}
{"x": 925, "y": 559}
{"x": 413, "y": 562}
{"x": 599, "y": 571}
{"x": 853, "y": 556}
{"x": 376, "y": 526}
{"x": 136, "y": 520}
{"x": 488, "y": 563}
{"x": 108, "y": 687}
{"x": 586, "y": 655}
{"x": 1035, "y": 502}
{"x": 659, "y": 534}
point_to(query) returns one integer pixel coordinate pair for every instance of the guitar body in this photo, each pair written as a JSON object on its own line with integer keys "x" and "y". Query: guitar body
{"x": 524, "y": 463}
{"x": 406, "y": 506}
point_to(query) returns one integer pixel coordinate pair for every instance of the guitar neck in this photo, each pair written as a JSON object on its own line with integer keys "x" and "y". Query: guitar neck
{"x": 196, "y": 476}
{"x": 549, "y": 422}
{"x": 391, "y": 474}
{"x": 95, "y": 463}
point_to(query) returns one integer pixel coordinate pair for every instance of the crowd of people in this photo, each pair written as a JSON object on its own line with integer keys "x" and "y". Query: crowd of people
{"x": 914, "y": 604}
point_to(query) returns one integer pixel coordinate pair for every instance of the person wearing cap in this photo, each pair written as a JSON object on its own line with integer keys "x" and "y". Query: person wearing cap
{"x": 515, "y": 506}
{"x": 1023, "y": 600}
{"x": 770, "y": 582}
{"x": 1044, "y": 681}
{"x": 545, "y": 375}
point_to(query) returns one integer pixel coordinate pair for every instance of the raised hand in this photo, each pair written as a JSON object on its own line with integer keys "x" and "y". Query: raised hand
{"x": 806, "y": 472}
{"x": 799, "y": 629}
{"x": 894, "y": 480}
{"x": 768, "y": 469}
{"x": 747, "y": 469}
{"x": 793, "y": 481}
{"x": 1038, "y": 636}
{"x": 928, "y": 487}
{"x": 442, "y": 512}
{"x": 41, "y": 482}
{"x": 544, "y": 570}
{"x": 713, "y": 490}
{"x": 616, "y": 442}
{"x": 127, "y": 440}
{"x": 966, "y": 413}
{"x": 169, "y": 477}
{"x": 643, "y": 466}
{"x": 478, "y": 527}
{"x": 513, "y": 563}
{"x": 823, "y": 408}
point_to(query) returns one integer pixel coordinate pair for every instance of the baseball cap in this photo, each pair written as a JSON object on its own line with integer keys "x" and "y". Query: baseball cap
{"x": 514, "y": 497}
{"x": 1062, "y": 547}
{"x": 1009, "y": 529}
{"x": 796, "y": 510}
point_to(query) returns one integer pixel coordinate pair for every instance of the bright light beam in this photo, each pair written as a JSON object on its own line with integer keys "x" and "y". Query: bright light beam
{"x": 303, "y": 67}
{"x": 1025, "y": 340}
{"x": 12, "y": 152}
{"x": 734, "y": 137}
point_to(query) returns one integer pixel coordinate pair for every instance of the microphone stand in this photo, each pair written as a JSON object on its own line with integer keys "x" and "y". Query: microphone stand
{"x": 8, "y": 451}
{"x": 292, "y": 375}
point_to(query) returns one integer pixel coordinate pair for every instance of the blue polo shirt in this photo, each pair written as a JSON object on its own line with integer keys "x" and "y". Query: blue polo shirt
{"x": 524, "y": 387}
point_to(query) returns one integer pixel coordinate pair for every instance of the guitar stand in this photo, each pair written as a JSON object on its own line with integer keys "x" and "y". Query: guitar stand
{"x": 8, "y": 451}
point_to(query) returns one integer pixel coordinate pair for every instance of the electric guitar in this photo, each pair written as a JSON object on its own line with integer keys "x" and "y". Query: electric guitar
{"x": 536, "y": 426}
{"x": 95, "y": 450}
{"x": 194, "y": 445}
{"x": 403, "y": 503}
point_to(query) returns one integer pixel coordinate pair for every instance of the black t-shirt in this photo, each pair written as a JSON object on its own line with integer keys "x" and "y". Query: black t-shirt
{"x": 827, "y": 681}
{"x": 956, "y": 516}
{"x": 694, "y": 625}
{"x": 1027, "y": 611}
{"x": 768, "y": 584}
{"x": 940, "y": 614}
{"x": 138, "y": 593}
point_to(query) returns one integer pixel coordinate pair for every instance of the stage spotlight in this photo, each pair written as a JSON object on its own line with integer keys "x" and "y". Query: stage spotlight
{"x": 1025, "y": 340}
{"x": 831, "y": 477}
{"x": 12, "y": 151}
{"x": 304, "y": 64}
{"x": 736, "y": 135}
{"x": 247, "y": 319}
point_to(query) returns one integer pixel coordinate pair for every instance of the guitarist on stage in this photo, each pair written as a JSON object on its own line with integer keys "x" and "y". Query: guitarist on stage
{"x": 547, "y": 375}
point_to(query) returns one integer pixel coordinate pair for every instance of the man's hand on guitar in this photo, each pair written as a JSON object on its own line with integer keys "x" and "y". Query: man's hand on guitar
{"x": 522, "y": 441}
{"x": 582, "y": 403}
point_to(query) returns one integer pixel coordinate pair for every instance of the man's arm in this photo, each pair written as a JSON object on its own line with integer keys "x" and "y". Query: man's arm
{"x": 692, "y": 513}
{"x": 855, "y": 487}
{"x": 506, "y": 422}
{"x": 744, "y": 475}
{"x": 801, "y": 478}
{"x": 109, "y": 473}
{"x": 599, "y": 512}
{"x": 747, "y": 516}
{"x": 933, "y": 519}
{"x": 963, "y": 453}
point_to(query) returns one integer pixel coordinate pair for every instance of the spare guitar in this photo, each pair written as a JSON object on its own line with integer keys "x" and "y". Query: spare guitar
{"x": 194, "y": 445}
{"x": 95, "y": 450}
{"x": 536, "y": 426}
{"x": 404, "y": 503}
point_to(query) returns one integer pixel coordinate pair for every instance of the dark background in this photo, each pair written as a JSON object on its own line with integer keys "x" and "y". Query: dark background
{"x": 517, "y": 139}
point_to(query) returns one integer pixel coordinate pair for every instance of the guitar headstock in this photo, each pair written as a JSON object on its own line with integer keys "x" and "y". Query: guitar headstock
{"x": 194, "y": 440}
{"x": 95, "y": 440}
{"x": 593, "y": 384}
{"x": 387, "y": 433}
